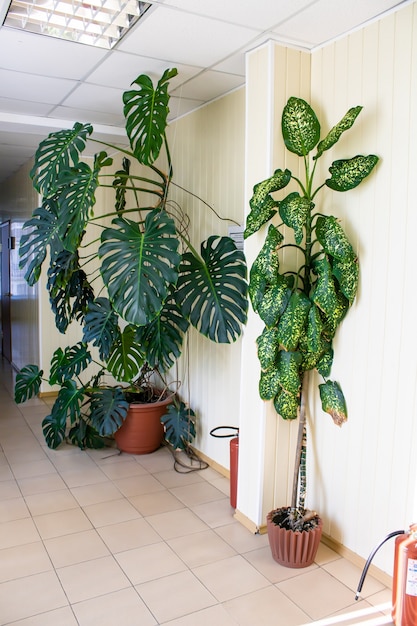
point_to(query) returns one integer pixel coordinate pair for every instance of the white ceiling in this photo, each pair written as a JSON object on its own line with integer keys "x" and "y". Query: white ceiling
{"x": 47, "y": 84}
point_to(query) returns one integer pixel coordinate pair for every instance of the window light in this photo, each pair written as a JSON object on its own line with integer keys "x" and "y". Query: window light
{"x": 94, "y": 22}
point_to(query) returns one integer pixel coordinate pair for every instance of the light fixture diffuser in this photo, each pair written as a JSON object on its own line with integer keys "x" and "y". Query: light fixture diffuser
{"x": 99, "y": 23}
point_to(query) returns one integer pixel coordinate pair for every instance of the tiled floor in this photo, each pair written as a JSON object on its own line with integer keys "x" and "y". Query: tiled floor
{"x": 98, "y": 538}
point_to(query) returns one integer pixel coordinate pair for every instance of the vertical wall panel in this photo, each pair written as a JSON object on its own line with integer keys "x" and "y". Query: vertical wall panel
{"x": 363, "y": 475}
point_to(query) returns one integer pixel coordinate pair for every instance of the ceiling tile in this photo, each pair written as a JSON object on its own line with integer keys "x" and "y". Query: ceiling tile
{"x": 182, "y": 106}
{"x": 185, "y": 38}
{"x": 96, "y": 98}
{"x": 37, "y": 54}
{"x": 33, "y": 88}
{"x": 83, "y": 115}
{"x": 24, "y": 107}
{"x": 209, "y": 85}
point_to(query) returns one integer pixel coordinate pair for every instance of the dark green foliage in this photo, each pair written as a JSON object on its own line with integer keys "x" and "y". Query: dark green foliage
{"x": 150, "y": 282}
{"x": 179, "y": 422}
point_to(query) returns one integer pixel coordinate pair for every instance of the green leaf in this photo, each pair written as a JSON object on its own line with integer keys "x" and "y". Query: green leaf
{"x": 333, "y": 304}
{"x": 179, "y": 425}
{"x": 162, "y": 339}
{"x": 314, "y": 330}
{"x": 274, "y": 301}
{"x": 126, "y": 357}
{"x": 262, "y": 204}
{"x": 146, "y": 111}
{"x": 119, "y": 183}
{"x": 58, "y": 151}
{"x": 334, "y": 134}
{"x": 54, "y": 428}
{"x": 84, "y": 436}
{"x": 286, "y": 405}
{"x": 269, "y": 384}
{"x": 69, "y": 363}
{"x": 28, "y": 382}
{"x": 289, "y": 371}
{"x": 347, "y": 275}
{"x": 265, "y": 269}
{"x": 333, "y": 239}
{"x": 108, "y": 410}
{"x": 39, "y": 232}
{"x": 291, "y": 325}
{"x": 349, "y": 173}
{"x": 101, "y": 326}
{"x": 333, "y": 401}
{"x": 268, "y": 348}
{"x": 325, "y": 362}
{"x": 78, "y": 186}
{"x": 212, "y": 290}
{"x": 294, "y": 210}
{"x": 68, "y": 402}
{"x": 300, "y": 127}
{"x": 139, "y": 267}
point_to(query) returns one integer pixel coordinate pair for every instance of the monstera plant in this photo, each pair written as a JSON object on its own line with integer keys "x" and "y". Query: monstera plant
{"x": 129, "y": 276}
{"x": 303, "y": 304}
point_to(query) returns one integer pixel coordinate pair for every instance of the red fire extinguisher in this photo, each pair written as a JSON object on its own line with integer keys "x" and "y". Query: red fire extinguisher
{"x": 234, "y": 457}
{"x": 404, "y": 583}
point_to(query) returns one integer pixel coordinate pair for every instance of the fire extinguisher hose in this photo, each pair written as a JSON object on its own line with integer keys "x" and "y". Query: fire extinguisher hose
{"x": 371, "y": 556}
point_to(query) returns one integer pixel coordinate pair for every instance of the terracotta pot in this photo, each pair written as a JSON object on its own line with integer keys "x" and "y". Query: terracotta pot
{"x": 293, "y": 548}
{"x": 142, "y": 431}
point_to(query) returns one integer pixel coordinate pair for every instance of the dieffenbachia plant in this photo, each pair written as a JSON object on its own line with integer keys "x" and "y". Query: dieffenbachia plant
{"x": 303, "y": 306}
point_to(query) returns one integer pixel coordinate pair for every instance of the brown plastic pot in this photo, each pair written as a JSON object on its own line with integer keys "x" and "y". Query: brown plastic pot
{"x": 293, "y": 548}
{"x": 142, "y": 431}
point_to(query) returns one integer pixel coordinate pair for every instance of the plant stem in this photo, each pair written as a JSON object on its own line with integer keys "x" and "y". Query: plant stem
{"x": 300, "y": 439}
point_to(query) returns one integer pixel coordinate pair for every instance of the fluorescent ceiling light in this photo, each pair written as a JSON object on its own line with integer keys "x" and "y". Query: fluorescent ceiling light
{"x": 94, "y": 22}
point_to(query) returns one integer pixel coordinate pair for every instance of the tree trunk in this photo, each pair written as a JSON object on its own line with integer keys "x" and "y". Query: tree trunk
{"x": 300, "y": 454}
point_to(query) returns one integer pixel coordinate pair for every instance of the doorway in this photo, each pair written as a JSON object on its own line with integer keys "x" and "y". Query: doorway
{"x": 5, "y": 295}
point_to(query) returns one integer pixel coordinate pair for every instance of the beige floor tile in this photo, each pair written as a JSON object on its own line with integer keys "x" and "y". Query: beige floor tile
{"x": 262, "y": 560}
{"x": 33, "y": 468}
{"x": 157, "y": 502}
{"x": 128, "y": 535}
{"x": 94, "y": 494}
{"x": 111, "y": 512}
{"x": 57, "y": 617}
{"x": 51, "y": 502}
{"x": 33, "y": 453}
{"x": 61, "y": 523}
{"x": 123, "y": 607}
{"x": 360, "y": 613}
{"x": 158, "y": 461}
{"x": 20, "y": 561}
{"x": 138, "y": 485}
{"x": 269, "y": 607}
{"x": 201, "y": 548}
{"x": 13, "y": 509}
{"x": 80, "y": 477}
{"x": 123, "y": 469}
{"x": 325, "y": 555}
{"x": 5, "y": 473}
{"x": 176, "y": 523}
{"x": 91, "y": 579}
{"x": 25, "y": 597}
{"x": 171, "y": 479}
{"x": 41, "y": 484}
{"x": 198, "y": 493}
{"x": 76, "y": 548}
{"x": 207, "y": 617}
{"x": 9, "y": 489}
{"x": 174, "y": 596}
{"x": 230, "y": 578}
{"x": 149, "y": 563}
{"x": 317, "y": 593}
{"x": 18, "y": 533}
{"x": 216, "y": 513}
{"x": 240, "y": 538}
{"x": 350, "y": 575}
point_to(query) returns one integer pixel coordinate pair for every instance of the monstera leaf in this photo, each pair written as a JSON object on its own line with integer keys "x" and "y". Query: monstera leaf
{"x": 108, "y": 410}
{"x": 126, "y": 357}
{"x": 28, "y": 382}
{"x": 146, "y": 111}
{"x": 101, "y": 326}
{"x": 66, "y": 364}
{"x": 67, "y": 404}
{"x": 58, "y": 151}
{"x": 138, "y": 266}
{"x": 179, "y": 425}
{"x": 162, "y": 339}
{"x": 42, "y": 230}
{"x": 211, "y": 290}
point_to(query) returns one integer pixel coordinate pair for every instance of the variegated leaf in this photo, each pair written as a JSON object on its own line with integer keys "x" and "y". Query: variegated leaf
{"x": 334, "y": 134}
{"x": 300, "y": 126}
{"x": 347, "y": 275}
{"x": 314, "y": 329}
{"x": 349, "y": 173}
{"x": 274, "y": 301}
{"x": 292, "y": 323}
{"x": 333, "y": 238}
{"x": 333, "y": 401}
{"x": 268, "y": 348}
{"x": 286, "y": 405}
{"x": 263, "y": 206}
{"x": 266, "y": 263}
{"x": 294, "y": 210}
{"x": 289, "y": 374}
{"x": 269, "y": 384}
